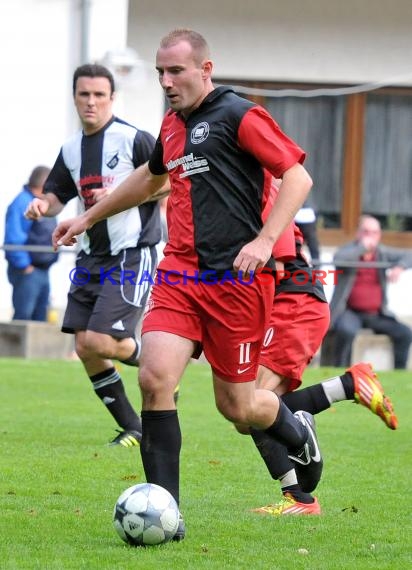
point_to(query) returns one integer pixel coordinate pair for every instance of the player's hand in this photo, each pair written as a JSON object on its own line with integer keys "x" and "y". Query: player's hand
{"x": 66, "y": 231}
{"x": 36, "y": 209}
{"x": 253, "y": 256}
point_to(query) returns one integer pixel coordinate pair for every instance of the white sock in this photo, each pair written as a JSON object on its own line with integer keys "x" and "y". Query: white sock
{"x": 333, "y": 389}
{"x": 288, "y": 479}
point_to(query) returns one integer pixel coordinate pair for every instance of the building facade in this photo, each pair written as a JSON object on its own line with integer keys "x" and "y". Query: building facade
{"x": 336, "y": 76}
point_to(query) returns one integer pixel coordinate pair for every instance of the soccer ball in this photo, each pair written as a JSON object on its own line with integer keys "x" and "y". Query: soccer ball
{"x": 146, "y": 514}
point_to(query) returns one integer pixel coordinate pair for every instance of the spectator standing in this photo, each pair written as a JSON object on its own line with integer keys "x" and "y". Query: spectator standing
{"x": 28, "y": 270}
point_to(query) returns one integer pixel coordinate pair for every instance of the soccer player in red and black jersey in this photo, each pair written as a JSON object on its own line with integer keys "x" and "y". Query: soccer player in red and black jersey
{"x": 220, "y": 152}
{"x": 298, "y": 323}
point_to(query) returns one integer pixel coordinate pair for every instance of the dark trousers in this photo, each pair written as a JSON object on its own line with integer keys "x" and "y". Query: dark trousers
{"x": 349, "y": 324}
{"x": 30, "y": 294}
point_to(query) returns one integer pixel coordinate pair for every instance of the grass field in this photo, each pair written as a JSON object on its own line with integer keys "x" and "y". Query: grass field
{"x": 59, "y": 482}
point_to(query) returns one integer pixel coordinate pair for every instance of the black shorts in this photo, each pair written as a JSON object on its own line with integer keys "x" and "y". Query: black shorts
{"x": 108, "y": 295}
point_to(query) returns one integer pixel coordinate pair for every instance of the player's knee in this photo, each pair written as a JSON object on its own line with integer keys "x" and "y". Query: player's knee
{"x": 94, "y": 344}
{"x": 81, "y": 348}
{"x": 234, "y": 413}
{"x": 156, "y": 386}
{"x": 149, "y": 381}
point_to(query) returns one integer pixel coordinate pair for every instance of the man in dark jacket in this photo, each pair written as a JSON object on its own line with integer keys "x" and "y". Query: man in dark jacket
{"x": 359, "y": 299}
{"x": 28, "y": 271}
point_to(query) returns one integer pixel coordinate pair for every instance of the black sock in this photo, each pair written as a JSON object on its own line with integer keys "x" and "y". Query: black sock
{"x": 133, "y": 359}
{"x": 311, "y": 399}
{"x": 160, "y": 449}
{"x": 275, "y": 456}
{"x": 273, "y": 453}
{"x": 348, "y": 385}
{"x": 298, "y": 494}
{"x": 287, "y": 429}
{"x": 109, "y": 388}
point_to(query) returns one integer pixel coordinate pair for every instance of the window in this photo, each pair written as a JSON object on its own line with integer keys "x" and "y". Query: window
{"x": 317, "y": 125}
{"x": 387, "y": 169}
{"x": 359, "y": 154}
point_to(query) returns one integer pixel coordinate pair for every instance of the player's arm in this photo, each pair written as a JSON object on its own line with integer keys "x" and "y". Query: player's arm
{"x": 136, "y": 189}
{"x": 49, "y": 205}
{"x": 58, "y": 189}
{"x": 100, "y": 193}
{"x": 261, "y": 136}
{"x": 285, "y": 247}
{"x": 160, "y": 194}
{"x": 293, "y": 191}
{"x": 295, "y": 186}
{"x": 143, "y": 148}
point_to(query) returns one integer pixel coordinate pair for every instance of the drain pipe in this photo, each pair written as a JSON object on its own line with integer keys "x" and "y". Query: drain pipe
{"x": 85, "y": 10}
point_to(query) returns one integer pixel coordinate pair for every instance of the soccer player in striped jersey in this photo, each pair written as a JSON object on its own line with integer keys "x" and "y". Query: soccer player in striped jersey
{"x": 108, "y": 291}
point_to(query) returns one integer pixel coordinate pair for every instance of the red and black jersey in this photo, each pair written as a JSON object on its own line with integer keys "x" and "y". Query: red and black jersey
{"x": 299, "y": 276}
{"x": 220, "y": 162}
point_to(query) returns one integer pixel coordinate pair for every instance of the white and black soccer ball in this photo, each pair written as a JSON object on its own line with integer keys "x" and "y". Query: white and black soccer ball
{"x": 146, "y": 514}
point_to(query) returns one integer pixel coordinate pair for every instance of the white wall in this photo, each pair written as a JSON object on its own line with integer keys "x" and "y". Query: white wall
{"x": 35, "y": 97}
{"x": 40, "y": 47}
{"x": 311, "y": 40}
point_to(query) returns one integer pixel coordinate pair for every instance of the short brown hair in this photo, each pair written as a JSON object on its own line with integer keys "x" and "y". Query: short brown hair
{"x": 38, "y": 176}
{"x": 197, "y": 41}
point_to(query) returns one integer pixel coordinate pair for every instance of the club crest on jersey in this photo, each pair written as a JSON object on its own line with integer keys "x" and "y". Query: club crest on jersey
{"x": 199, "y": 133}
{"x": 112, "y": 161}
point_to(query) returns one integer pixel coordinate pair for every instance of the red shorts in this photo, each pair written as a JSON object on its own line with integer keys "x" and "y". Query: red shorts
{"x": 297, "y": 325}
{"x": 228, "y": 319}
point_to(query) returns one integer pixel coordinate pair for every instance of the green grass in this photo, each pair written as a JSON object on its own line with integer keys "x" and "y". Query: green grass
{"x": 59, "y": 482}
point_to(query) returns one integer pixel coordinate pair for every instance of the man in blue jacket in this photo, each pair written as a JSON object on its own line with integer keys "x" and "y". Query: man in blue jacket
{"x": 28, "y": 271}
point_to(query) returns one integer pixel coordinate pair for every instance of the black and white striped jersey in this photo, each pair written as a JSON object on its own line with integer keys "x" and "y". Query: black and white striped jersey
{"x": 104, "y": 160}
